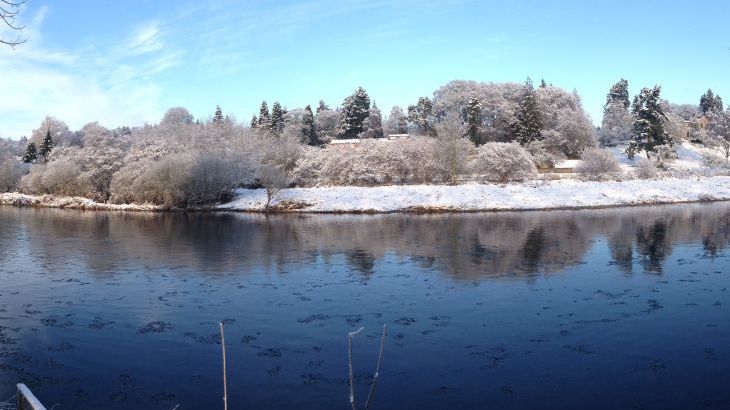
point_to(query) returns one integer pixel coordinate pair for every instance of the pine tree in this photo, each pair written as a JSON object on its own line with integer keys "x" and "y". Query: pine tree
{"x": 617, "y": 120}
{"x": 421, "y": 115}
{"x": 648, "y": 130}
{"x": 543, "y": 84}
{"x": 397, "y": 121}
{"x": 618, "y": 95}
{"x": 474, "y": 120}
{"x": 31, "y": 154}
{"x": 309, "y": 130}
{"x": 254, "y": 122}
{"x": 264, "y": 117}
{"x": 218, "y": 116}
{"x": 322, "y": 107}
{"x": 711, "y": 103}
{"x": 46, "y": 146}
{"x": 277, "y": 118}
{"x": 355, "y": 109}
{"x": 528, "y": 125}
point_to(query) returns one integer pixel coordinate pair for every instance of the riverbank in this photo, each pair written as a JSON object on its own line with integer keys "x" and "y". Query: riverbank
{"x": 544, "y": 195}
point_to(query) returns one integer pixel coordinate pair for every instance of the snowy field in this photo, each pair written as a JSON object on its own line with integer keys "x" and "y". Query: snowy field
{"x": 485, "y": 197}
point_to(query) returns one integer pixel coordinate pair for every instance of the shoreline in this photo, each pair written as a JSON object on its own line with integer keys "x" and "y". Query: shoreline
{"x": 432, "y": 199}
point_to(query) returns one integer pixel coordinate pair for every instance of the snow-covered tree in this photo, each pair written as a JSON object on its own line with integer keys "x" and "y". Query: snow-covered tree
{"x": 264, "y": 116}
{"x": 218, "y": 115}
{"x": 711, "y": 103}
{"x": 355, "y": 109}
{"x": 452, "y": 149}
{"x": 59, "y": 131}
{"x": 31, "y": 153}
{"x": 181, "y": 116}
{"x": 421, "y": 116}
{"x": 397, "y": 122}
{"x": 309, "y": 134}
{"x": 617, "y": 120}
{"x": 322, "y": 107}
{"x": 718, "y": 134}
{"x": 648, "y": 131}
{"x": 474, "y": 120}
{"x": 46, "y": 146}
{"x": 372, "y": 127}
{"x": 528, "y": 119}
{"x": 254, "y": 122}
{"x": 277, "y": 118}
{"x": 326, "y": 121}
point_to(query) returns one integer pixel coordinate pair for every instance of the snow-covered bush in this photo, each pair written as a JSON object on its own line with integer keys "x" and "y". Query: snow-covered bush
{"x": 11, "y": 171}
{"x": 644, "y": 169}
{"x": 503, "y": 162}
{"x": 372, "y": 162}
{"x": 452, "y": 150}
{"x": 598, "y": 164}
{"x": 665, "y": 155}
{"x": 542, "y": 156}
{"x": 59, "y": 177}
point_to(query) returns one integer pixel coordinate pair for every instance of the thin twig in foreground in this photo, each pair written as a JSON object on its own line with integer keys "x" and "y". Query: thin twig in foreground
{"x": 376, "y": 377}
{"x": 225, "y": 384}
{"x": 352, "y": 376}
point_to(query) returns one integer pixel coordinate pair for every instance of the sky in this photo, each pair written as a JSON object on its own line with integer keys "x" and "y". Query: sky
{"x": 127, "y": 62}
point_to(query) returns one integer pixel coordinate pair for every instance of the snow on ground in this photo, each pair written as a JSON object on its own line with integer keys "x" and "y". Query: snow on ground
{"x": 487, "y": 197}
{"x": 50, "y": 201}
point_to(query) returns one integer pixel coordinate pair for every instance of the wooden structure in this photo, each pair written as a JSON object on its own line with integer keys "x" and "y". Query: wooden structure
{"x": 26, "y": 399}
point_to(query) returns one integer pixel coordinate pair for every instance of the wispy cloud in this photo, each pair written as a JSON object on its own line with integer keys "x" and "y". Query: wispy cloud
{"x": 116, "y": 85}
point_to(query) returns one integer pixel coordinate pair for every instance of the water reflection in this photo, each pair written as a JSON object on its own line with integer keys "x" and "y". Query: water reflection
{"x": 460, "y": 246}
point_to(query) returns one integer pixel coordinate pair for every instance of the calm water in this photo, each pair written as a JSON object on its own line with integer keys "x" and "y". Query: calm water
{"x": 610, "y": 309}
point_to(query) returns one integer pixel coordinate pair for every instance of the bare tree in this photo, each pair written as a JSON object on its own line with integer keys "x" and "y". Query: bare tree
{"x": 9, "y": 10}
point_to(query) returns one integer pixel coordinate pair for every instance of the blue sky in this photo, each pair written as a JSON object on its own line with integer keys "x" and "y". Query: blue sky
{"x": 126, "y": 62}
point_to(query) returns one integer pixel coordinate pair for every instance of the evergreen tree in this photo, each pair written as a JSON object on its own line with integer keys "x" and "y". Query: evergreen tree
{"x": 31, "y": 154}
{"x": 322, "y": 107}
{"x": 543, "y": 84}
{"x": 46, "y": 146}
{"x": 277, "y": 118}
{"x": 617, "y": 121}
{"x": 618, "y": 95}
{"x": 528, "y": 125}
{"x": 309, "y": 130}
{"x": 397, "y": 121}
{"x": 355, "y": 109}
{"x": 373, "y": 124}
{"x": 254, "y": 121}
{"x": 710, "y": 103}
{"x": 264, "y": 117}
{"x": 648, "y": 130}
{"x": 474, "y": 120}
{"x": 218, "y": 116}
{"x": 421, "y": 115}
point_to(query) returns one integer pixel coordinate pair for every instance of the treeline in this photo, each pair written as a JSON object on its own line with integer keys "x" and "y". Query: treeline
{"x": 468, "y": 130}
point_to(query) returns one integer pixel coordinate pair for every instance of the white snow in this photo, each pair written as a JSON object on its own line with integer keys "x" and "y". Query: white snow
{"x": 487, "y": 197}
{"x": 51, "y": 201}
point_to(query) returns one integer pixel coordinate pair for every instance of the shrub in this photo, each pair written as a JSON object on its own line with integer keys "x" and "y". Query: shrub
{"x": 542, "y": 156}
{"x": 644, "y": 169}
{"x": 371, "y": 162}
{"x": 503, "y": 162}
{"x": 11, "y": 171}
{"x": 597, "y": 164}
{"x": 59, "y": 177}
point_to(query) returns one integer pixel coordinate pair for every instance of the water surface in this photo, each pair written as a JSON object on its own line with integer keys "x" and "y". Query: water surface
{"x": 603, "y": 309}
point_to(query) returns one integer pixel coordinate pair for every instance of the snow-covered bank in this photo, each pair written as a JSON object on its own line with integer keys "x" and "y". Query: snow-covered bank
{"x": 561, "y": 194}
{"x": 487, "y": 197}
{"x": 51, "y": 201}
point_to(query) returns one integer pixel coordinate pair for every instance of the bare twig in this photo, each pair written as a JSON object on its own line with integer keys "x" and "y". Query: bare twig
{"x": 376, "y": 377}
{"x": 352, "y": 376}
{"x": 225, "y": 383}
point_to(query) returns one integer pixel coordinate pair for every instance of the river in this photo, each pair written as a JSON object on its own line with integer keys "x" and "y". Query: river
{"x": 624, "y": 308}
